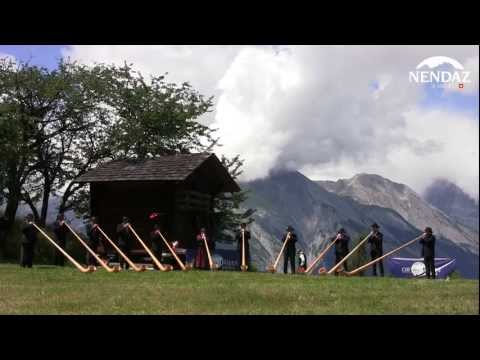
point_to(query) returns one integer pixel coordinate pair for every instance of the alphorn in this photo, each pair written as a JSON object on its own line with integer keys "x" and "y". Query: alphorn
{"x": 100, "y": 261}
{"x": 353, "y": 272}
{"x": 272, "y": 268}
{"x": 244, "y": 266}
{"x": 319, "y": 257}
{"x": 184, "y": 268}
{"x": 155, "y": 260}
{"x": 72, "y": 260}
{"x": 213, "y": 266}
{"x": 348, "y": 255}
{"x": 125, "y": 257}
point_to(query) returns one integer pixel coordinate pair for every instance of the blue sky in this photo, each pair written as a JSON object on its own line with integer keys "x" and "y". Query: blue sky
{"x": 42, "y": 55}
{"x": 48, "y": 56}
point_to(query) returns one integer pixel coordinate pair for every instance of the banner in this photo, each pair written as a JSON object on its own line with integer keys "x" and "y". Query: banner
{"x": 413, "y": 268}
{"x": 226, "y": 256}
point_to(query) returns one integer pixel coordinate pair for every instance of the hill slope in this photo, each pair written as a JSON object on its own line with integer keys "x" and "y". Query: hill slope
{"x": 454, "y": 202}
{"x": 371, "y": 189}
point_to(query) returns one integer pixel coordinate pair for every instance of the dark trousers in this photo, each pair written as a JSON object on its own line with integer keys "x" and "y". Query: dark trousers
{"x": 59, "y": 257}
{"x": 338, "y": 257}
{"x": 27, "y": 255}
{"x": 374, "y": 255}
{"x": 126, "y": 250}
{"x": 158, "y": 255}
{"x": 429, "y": 267}
{"x": 289, "y": 256}
{"x": 90, "y": 259}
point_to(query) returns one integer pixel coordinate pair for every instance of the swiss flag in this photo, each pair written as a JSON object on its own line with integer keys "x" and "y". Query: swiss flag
{"x": 460, "y": 86}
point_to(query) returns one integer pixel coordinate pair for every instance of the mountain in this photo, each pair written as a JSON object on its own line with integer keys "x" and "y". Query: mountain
{"x": 454, "y": 202}
{"x": 371, "y": 189}
{"x": 289, "y": 198}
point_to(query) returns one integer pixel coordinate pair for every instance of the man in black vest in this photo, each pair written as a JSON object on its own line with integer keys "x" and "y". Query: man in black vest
{"x": 376, "y": 248}
{"x": 341, "y": 248}
{"x": 93, "y": 239}
{"x": 124, "y": 241}
{"x": 290, "y": 250}
{"x": 428, "y": 252}
{"x": 60, "y": 230}
{"x": 246, "y": 235}
{"x": 29, "y": 241}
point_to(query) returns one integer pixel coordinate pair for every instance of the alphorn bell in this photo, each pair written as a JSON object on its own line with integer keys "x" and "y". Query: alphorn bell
{"x": 355, "y": 271}
{"x": 213, "y": 266}
{"x": 72, "y": 260}
{"x": 349, "y": 254}
{"x": 162, "y": 267}
{"x": 321, "y": 255}
{"x": 100, "y": 261}
{"x": 125, "y": 257}
{"x": 244, "y": 266}
{"x": 180, "y": 263}
{"x": 273, "y": 268}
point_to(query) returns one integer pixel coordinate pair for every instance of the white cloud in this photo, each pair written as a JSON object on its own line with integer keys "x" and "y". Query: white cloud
{"x": 202, "y": 66}
{"x": 8, "y": 57}
{"x": 313, "y": 108}
{"x": 440, "y": 145}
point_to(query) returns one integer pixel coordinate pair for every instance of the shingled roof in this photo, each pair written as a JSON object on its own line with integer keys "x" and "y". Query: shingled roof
{"x": 164, "y": 168}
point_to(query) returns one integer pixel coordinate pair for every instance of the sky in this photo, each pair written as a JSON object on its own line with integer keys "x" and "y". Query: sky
{"x": 328, "y": 111}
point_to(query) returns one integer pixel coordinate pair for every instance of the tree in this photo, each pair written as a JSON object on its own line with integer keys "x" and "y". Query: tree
{"x": 148, "y": 119}
{"x": 55, "y": 125}
{"x": 228, "y": 213}
{"x": 48, "y": 114}
{"x": 155, "y": 117}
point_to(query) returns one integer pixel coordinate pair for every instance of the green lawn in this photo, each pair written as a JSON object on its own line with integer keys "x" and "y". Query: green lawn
{"x": 50, "y": 290}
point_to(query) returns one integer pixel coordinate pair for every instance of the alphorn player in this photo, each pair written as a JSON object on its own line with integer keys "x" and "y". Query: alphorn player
{"x": 246, "y": 235}
{"x": 93, "y": 234}
{"x": 302, "y": 261}
{"x": 29, "y": 240}
{"x": 60, "y": 230}
{"x": 341, "y": 247}
{"x": 124, "y": 239}
{"x": 201, "y": 258}
{"x": 428, "y": 252}
{"x": 157, "y": 244}
{"x": 290, "y": 250}
{"x": 376, "y": 248}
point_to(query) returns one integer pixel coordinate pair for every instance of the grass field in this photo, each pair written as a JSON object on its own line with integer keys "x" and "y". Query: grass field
{"x": 50, "y": 290}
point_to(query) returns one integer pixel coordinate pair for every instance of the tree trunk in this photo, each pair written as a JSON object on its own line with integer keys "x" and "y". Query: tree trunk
{"x": 10, "y": 213}
{"x": 46, "y": 197}
{"x": 29, "y": 202}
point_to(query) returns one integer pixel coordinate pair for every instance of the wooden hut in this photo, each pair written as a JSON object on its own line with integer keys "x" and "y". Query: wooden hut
{"x": 179, "y": 187}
